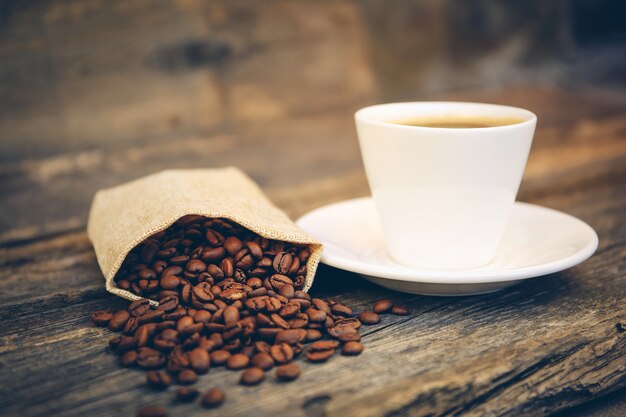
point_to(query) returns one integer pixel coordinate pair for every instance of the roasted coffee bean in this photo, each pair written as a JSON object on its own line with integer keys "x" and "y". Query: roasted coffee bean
{"x": 263, "y": 361}
{"x": 228, "y": 267}
{"x": 299, "y": 321}
{"x": 149, "y": 358}
{"x": 237, "y": 361}
{"x": 187, "y": 377}
{"x": 255, "y": 249}
{"x": 262, "y": 347}
{"x": 219, "y": 357}
{"x": 382, "y": 306}
{"x": 213, "y": 398}
{"x": 288, "y": 372}
{"x": 148, "y": 252}
{"x": 278, "y": 280}
{"x": 200, "y": 360}
{"x": 125, "y": 344}
{"x": 369, "y": 317}
{"x": 101, "y": 318}
{"x": 151, "y": 316}
{"x": 233, "y": 245}
{"x": 179, "y": 260}
{"x": 231, "y": 315}
{"x": 152, "y": 411}
{"x": 252, "y": 376}
{"x": 282, "y": 263}
{"x": 321, "y": 351}
{"x": 202, "y": 316}
{"x": 142, "y": 336}
{"x": 341, "y": 310}
{"x": 287, "y": 291}
{"x": 289, "y": 310}
{"x": 213, "y": 254}
{"x": 129, "y": 358}
{"x": 203, "y": 292}
{"x": 231, "y": 295}
{"x": 273, "y": 304}
{"x": 312, "y": 335}
{"x": 170, "y": 282}
{"x": 290, "y": 336}
{"x": 315, "y": 315}
{"x": 282, "y": 353}
{"x": 139, "y": 307}
{"x": 400, "y": 310}
{"x": 352, "y": 348}
{"x": 349, "y": 337}
{"x": 158, "y": 379}
{"x": 118, "y": 321}
{"x": 278, "y": 321}
{"x": 186, "y": 394}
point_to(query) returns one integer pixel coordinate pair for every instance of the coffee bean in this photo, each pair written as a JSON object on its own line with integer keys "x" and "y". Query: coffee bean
{"x": 200, "y": 360}
{"x": 288, "y": 372}
{"x": 262, "y": 360}
{"x": 352, "y": 348}
{"x": 282, "y": 263}
{"x": 101, "y": 318}
{"x": 233, "y": 245}
{"x": 186, "y": 394}
{"x": 219, "y": 357}
{"x": 382, "y": 306}
{"x": 321, "y": 305}
{"x": 341, "y": 310}
{"x": 369, "y": 317}
{"x": 129, "y": 358}
{"x": 213, "y": 398}
{"x": 158, "y": 379}
{"x": 290, "y": 336}
{"x": 349, "y": 337}
{"x": 312, "y": 335}
{"x": 281, "y": 353}
{"x": 118, "y": 321}
{"x": 187, "y": 377}
{"x": 237, "y": 361}
{"x": 231, "y": 315}
{"x": 252, "y": 376}
{"x": 315, "y": 315}
{"x": 152, "y": 411}
{"x": 149, "y": 358}
{"x": 289, "y": 310}
{"x": 170, "y": 282}
{"x": 321, "y": 351}
{"x": 139, "y": 307}
{"x": 400, "y": 310}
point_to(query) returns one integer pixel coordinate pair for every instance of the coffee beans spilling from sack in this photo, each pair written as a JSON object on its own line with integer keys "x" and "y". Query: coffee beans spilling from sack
{"x": 226, "y": 297}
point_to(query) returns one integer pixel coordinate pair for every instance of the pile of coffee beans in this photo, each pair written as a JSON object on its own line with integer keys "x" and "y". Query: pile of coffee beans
{"x": 226, "y": 297}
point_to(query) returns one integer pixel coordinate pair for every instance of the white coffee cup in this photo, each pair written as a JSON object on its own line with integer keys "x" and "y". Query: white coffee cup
{"x": 443, "y": 195}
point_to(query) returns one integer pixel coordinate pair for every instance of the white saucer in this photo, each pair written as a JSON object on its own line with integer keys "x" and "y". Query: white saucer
{"x": 538, "y": 241}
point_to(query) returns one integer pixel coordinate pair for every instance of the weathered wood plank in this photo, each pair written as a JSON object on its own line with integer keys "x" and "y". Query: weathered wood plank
{"x": 445, "y": 355}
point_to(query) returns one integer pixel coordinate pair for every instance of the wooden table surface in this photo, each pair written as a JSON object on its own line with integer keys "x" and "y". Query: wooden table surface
{"x": 531, "y": 350}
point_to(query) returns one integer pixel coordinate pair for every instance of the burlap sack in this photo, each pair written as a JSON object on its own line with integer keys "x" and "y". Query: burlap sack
{"x": 123, "y": 216}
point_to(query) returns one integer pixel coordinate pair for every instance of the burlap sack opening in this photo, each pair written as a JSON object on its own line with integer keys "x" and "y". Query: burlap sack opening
{"x": 121, "y": 217}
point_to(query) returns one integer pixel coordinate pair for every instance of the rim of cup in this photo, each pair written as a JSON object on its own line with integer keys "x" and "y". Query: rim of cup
{"x": 387, "y": 114}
